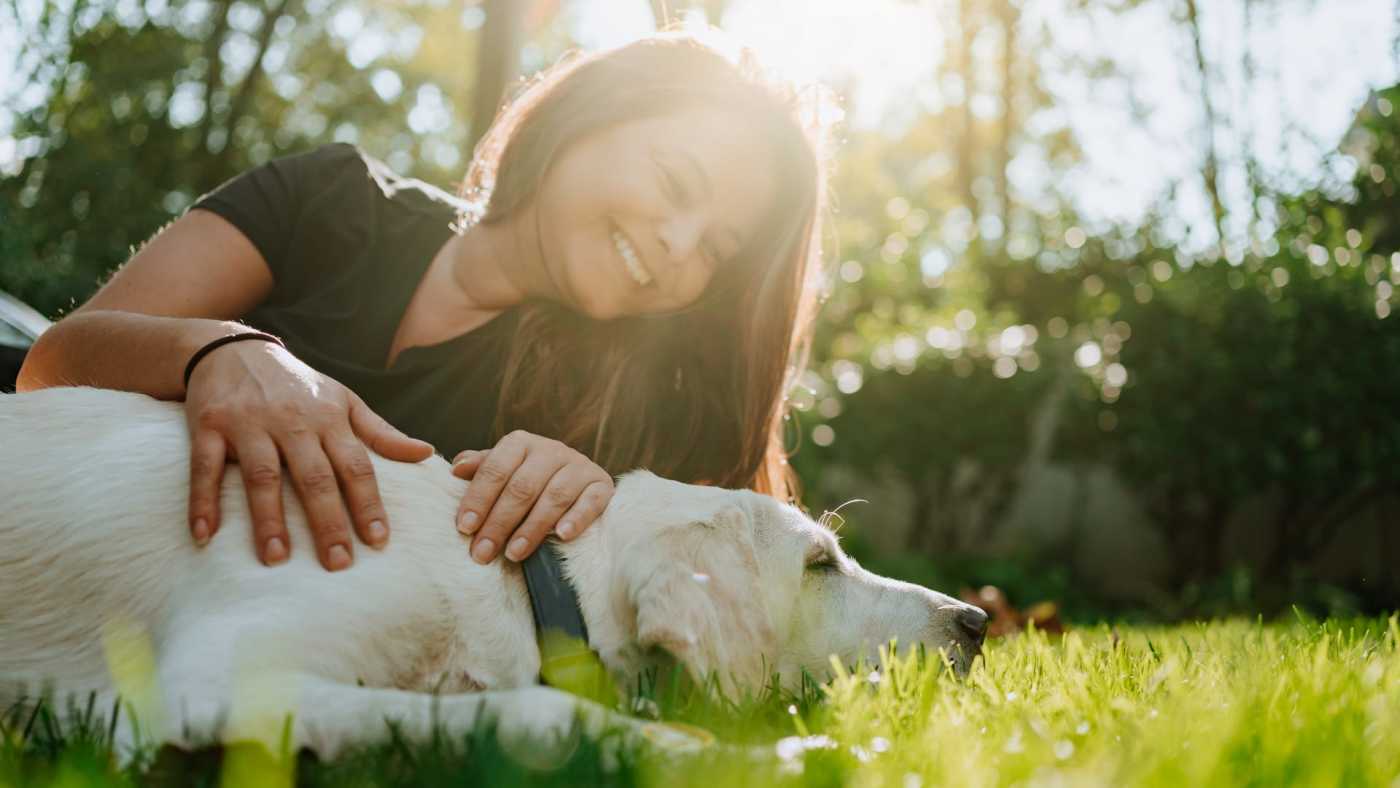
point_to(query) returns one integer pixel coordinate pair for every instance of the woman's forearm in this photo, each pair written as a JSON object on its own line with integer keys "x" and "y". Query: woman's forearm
{"x": 119, "y": 350}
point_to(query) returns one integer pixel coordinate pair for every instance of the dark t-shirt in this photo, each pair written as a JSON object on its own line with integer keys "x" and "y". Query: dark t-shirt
{"x": 348, "y": 242}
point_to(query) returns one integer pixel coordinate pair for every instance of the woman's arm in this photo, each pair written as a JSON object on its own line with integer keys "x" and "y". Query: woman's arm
{"x": 250, "y": 400}
{"x": 180, "y": 291}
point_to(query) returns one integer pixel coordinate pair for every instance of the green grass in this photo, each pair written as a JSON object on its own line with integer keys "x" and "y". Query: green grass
{"x": 1223, "y": 703}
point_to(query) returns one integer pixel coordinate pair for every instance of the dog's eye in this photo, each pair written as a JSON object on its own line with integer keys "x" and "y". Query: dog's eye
{"x": 821, "y": 562}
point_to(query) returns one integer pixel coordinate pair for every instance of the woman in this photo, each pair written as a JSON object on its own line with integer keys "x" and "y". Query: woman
{"x": 629, "y": 282}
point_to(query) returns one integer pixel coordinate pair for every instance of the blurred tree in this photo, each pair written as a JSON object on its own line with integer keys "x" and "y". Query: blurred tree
{"x": 498, "y": 61}
{"x": 667, "y": 13}
{"x": 936, "y": 242}
{"x": 132, "y": 111}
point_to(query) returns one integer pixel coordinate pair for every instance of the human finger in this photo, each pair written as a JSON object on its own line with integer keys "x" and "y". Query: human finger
{"x": 207, "y": 455}
{"x": 315, "y": 482}
{"x": 360, "y": 487}
{"x": 261, "y": 467}
{"x": 384, "y": 438}
{"x": 491, "y": 481}
{"x": 586, "y": 510}
{"x": 518, "y": 497}
{"x": 560, "y": 493}
{"x": 464, "y": 465}
{"x": 490, "y": 477}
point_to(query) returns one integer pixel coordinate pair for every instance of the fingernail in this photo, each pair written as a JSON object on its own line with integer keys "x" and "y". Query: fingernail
{"x": 467, "y": 524}
{"x": 275, "y": 551}
{"x": 338, "y": 557}
{"x": 377, "y": 531}
{"x": 517, "y": 548}
{"x": 481, "y": 553}
{"x": 201, "y": 532}
{"x": 565, "y": 530}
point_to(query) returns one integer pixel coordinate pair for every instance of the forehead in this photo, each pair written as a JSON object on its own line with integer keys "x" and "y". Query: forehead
{"x": 734, "y": 155}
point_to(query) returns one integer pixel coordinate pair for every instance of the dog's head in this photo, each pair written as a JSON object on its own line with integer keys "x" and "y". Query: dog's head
{"x": 738, "y": 585}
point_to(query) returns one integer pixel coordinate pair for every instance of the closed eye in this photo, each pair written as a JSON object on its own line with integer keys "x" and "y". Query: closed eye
{"x": 680, "y": 195}
{"x": 821, "y": 562}
{"x": 675, "y": 190}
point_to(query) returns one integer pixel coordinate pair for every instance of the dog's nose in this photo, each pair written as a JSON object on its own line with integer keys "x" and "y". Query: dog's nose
{"x": 973, "y": 622}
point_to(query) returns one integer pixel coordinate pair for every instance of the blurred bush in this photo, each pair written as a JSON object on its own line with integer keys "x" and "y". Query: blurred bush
{"x": 1256, "y": 395}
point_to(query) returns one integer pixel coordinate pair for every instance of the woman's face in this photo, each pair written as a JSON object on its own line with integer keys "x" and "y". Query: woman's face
{"x": 637, "y": 218}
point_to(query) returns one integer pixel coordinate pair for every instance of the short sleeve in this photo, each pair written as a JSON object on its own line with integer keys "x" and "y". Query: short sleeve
{"x": 266, "y": 202}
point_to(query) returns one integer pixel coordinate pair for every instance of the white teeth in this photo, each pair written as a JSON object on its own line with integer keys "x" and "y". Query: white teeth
{"x": 630, "y": 261}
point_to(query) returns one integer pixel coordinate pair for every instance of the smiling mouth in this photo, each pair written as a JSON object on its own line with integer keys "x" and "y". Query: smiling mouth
{"x": 631, "y": 262}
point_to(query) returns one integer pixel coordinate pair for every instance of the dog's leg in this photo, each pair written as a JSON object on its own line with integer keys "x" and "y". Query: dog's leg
{"x": 223, "y": 680}
{"x": 333, "y": 716}
{"x": 329, "y": 716}
{"x": 534, "y": 720}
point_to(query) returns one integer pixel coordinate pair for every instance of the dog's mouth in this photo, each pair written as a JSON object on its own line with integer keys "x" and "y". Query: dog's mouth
{"x": 962, "y": 657}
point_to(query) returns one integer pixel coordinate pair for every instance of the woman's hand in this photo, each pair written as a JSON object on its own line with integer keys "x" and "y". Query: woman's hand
{"x": 523, "y": 488}
{"x": 256, "y": 402}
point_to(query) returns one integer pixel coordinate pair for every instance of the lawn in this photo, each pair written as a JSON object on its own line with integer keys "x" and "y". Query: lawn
{"x": 1224, "y": 703}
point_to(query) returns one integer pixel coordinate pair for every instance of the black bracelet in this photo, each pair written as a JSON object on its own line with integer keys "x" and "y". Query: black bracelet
{"x": 228, "y": 340}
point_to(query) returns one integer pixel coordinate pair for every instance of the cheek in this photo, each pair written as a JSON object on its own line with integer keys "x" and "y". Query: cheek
{"x": 568, "y": 217}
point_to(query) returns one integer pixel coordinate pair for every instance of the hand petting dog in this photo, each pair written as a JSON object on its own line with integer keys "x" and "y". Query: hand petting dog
{"x": 524, "y": 488}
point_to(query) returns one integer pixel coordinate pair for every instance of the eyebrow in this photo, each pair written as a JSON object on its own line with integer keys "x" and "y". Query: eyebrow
{"x": 707, "y": 187}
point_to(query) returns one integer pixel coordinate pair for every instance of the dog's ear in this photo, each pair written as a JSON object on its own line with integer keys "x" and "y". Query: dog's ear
{"x": 702, "y": 601}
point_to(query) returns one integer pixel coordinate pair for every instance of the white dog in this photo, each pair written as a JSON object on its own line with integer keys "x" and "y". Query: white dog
{"x": 102, "y": 592}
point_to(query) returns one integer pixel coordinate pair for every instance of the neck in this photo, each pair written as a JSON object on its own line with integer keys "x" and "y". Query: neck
{"x": 496, "y": 266}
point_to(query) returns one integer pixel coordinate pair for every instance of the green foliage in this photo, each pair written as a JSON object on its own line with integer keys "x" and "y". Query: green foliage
{"x": 149, "y": 107}
{"x": 1223, "y": 703}
{"x": 1206, "y": 384}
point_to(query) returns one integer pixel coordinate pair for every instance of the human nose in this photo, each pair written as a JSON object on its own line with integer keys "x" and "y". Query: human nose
{"x": 681, "y": 234}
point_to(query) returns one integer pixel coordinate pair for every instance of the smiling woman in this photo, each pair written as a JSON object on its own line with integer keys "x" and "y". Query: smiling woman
{"x": 675, "y": 199}
{"x": 630, "y": 283}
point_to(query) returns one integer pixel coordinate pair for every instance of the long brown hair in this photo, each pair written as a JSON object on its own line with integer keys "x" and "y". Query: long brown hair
{"x": 696, "y": 395}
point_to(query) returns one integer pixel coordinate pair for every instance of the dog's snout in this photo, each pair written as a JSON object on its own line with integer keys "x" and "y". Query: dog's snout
{"x": 973, "y": 622}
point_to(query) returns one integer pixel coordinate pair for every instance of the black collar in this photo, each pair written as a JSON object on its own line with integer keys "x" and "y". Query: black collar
{"x": 551, "y": 596}
{"x": 566, "y": 660}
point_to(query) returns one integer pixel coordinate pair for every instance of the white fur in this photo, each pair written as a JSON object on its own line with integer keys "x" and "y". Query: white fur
{"x": 103, "y": 591}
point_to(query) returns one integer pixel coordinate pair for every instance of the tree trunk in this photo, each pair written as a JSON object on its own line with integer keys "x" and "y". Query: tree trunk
{"x": 967, "y": 145}
{"x": 1253, "y": 179}
{"x": 1010, "y": 17}
{"x": 213, "y": 78}
{"x": 662, "y": 13}
{"x": 244, "y": 96}
{"x": 1211, "y": 170}
{"x": 498, "y": 61}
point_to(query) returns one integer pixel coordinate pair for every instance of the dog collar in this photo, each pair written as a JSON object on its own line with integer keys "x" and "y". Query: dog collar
{"x": 566, "y": 660}
{"x": 552, "y": 597}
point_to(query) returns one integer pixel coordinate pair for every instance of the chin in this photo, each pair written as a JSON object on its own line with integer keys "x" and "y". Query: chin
{"x": 595, "y": 308}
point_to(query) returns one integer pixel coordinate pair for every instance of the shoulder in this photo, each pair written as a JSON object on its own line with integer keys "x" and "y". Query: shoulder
{"x": 331, "y": 174}
{"x": 395, "y": 186}
{"x": 330, "y": 166}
